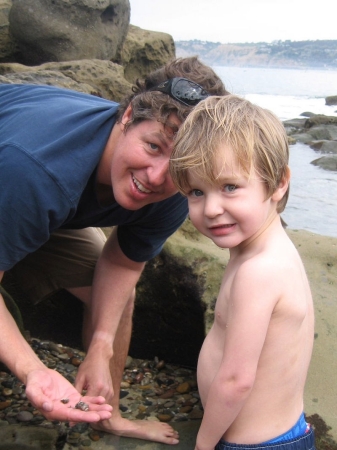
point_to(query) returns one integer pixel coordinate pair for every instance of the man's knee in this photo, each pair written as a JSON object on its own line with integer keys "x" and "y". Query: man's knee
{"x": 66, "y": 261}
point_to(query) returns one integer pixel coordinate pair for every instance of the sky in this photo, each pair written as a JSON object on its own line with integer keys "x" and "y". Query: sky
{"x": 233, "y": 21}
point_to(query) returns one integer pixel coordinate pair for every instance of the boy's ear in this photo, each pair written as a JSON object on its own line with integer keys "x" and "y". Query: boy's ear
{"x": 282, "y": 187}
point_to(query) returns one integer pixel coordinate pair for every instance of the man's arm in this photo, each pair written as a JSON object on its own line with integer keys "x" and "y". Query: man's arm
{"x": 15, "y": 352}
{"x": 44, "y": 387}
{"x": 113, "y": 289}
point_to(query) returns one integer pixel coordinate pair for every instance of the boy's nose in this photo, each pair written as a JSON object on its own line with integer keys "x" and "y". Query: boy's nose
{"x": 212, "y": 207}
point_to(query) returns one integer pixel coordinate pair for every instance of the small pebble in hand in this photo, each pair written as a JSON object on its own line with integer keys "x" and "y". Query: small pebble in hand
{"x": 82, "y": 406}
{"x": 65, "y": 400}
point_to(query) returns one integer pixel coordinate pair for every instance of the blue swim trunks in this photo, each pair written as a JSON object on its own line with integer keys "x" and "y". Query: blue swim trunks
{"x": 299, "y": 437}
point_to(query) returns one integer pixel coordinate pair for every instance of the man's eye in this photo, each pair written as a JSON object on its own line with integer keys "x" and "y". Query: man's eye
{"x": 153, "y": 146}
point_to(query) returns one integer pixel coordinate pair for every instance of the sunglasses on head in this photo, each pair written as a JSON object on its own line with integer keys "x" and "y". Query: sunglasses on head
{"x": 185, "y": 91}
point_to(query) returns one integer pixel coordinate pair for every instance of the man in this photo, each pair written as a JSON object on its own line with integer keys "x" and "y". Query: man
{"x": 70, "y": 161}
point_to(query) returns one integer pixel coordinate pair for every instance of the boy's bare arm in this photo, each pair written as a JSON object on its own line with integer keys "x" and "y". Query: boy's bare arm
{"x": 251, "y": 303}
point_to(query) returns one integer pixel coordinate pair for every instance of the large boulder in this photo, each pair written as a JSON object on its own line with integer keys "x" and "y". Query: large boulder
{"x": 59, "y": 32}
{"x": 65, "y": 30}
{"x": 144, "y": 51}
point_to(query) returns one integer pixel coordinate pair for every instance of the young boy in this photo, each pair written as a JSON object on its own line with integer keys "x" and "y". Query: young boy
{"x": 231, "y": 161}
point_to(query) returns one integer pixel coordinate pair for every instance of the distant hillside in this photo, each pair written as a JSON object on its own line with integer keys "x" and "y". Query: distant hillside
{"x": 290, "y": 54}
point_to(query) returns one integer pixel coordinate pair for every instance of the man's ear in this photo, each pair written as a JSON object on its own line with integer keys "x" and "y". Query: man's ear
{"x": 282, "y": 187}
{"x": 127, "y": 116}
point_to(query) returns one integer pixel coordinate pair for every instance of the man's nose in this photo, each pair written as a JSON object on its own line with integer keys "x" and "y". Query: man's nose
{"x": 158, "y": 172}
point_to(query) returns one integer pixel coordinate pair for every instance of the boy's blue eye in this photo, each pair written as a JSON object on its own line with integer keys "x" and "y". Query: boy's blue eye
{"x": 230, "y": 187}
{"x": 197, "y": 193}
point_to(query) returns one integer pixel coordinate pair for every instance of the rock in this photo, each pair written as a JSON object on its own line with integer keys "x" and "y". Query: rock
{"x": 24, "y": 416}
{"x": 53, "y": 78}
{"x": 168, "y": 394}
{"x": 185, "y": 409}
{"x": 102, "y": 78}
{"x": 319, "y": 119}
{"x": 316, "y": 128}
{"x": 105, "y": 77}
{"x": 324, "y": 146}
{"x": 305, "y": 138}
{"x": 66, "y": 30}
{"x": 94, "y": 435}
{"x": 183, "y": 388}
{"x": 7, "y": 392}
{"x": 331, "y": 100}
{"x": 294, "y": 123}
{"x": 128, "y": 362}
{"x": 307, "y": 114}
{"x": 323, "y": 132}
{"x": 326, "y": 163}
{"x": 164, "y": 417}
{"x": 144, "y": 51}
{"x": 5, "y": 404}
{"x": 32, "y": 437}
{"x": 7, "y": 45}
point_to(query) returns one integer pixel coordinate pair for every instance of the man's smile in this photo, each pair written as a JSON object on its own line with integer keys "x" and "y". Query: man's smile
{"x": 140, "y": 187}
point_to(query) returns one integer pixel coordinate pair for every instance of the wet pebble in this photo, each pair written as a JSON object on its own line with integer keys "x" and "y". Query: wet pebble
{"x": 25, "y": 416}
{"x": 165, "y": 417}
{"x": 94, "y": 435}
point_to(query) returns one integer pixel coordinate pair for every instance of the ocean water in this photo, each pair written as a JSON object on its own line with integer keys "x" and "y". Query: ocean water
{"x": 312, "y": 204}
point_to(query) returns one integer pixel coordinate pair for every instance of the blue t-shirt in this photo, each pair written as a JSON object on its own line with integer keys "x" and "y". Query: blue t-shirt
{"x": 51, "y": 141}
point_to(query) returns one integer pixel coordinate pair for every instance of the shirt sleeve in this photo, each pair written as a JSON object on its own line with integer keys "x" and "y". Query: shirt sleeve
{"x": 31, "y": 204}
{"x": 144, "y": 238}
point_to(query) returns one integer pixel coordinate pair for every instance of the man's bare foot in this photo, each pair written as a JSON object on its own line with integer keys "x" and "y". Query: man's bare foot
{"x": 140, "y": 429}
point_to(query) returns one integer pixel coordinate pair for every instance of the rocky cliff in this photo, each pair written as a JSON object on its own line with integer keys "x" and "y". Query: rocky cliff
{"x": 281, "y": 54}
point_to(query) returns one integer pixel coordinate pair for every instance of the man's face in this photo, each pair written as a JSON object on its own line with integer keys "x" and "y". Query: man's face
{"x": 140, "y": 163}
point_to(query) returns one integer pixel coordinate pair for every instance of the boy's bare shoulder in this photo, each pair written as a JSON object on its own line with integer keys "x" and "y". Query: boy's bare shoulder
{"x": 275, "y": 264}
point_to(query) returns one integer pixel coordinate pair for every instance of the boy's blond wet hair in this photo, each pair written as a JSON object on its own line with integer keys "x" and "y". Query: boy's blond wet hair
{"x": 255, "y": 135}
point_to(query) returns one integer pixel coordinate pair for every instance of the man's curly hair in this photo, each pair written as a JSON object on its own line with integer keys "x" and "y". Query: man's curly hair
{"x": 153, "y": 105}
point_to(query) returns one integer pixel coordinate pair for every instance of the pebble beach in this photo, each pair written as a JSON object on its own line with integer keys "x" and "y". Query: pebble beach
{"x": 150, "y": 390}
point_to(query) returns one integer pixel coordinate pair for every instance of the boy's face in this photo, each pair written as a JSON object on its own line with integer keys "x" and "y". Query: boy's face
{"x": 140, "y": 163}
{"x": 233, "y": 211}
